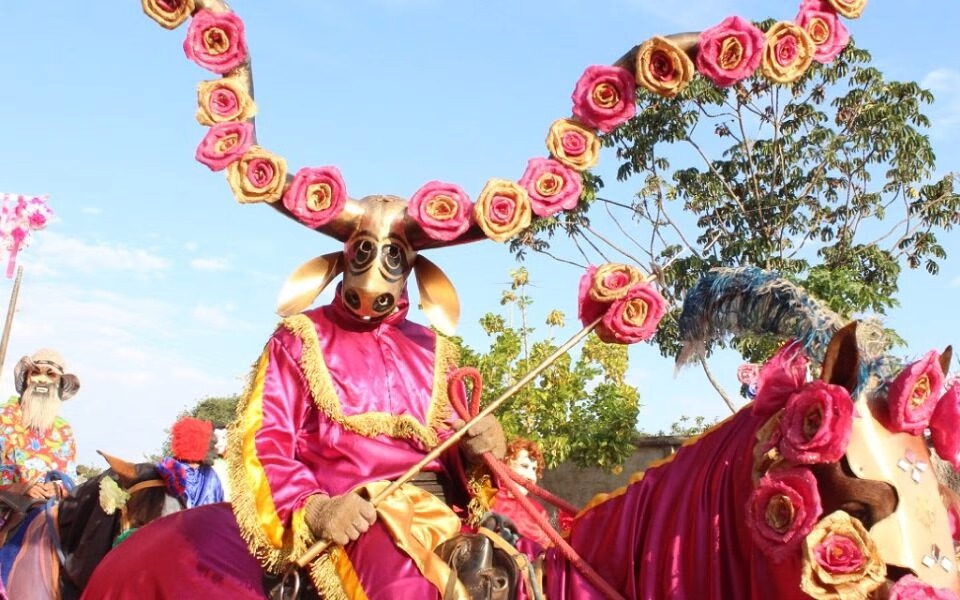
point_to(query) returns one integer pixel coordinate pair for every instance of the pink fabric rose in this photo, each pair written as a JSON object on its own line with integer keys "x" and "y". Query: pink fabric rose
{"x": 552, "y": 186}
{"x": 821, "y": 21}
{"x": 443, "y": 210}
{"x": 605, "y": 97}
{"x": 215, "y": 41}
{"x": 588, "y": 309}
{"x": 910, "y": 587}
{"x": 945, "y": 426}
{"x": 780, "y": 377}
{"x": 633, "y": 318}
{"x": 730, "y": 51}
{"x": 782, "y": 510}
{"x": 316, "y": 195}
{"x": 913, "y": 394}
{"x": 817, "y": 423}
{"x": 839, "y": 554}
{"x": 223, "y": 144}
{"x": 748, "y": 373}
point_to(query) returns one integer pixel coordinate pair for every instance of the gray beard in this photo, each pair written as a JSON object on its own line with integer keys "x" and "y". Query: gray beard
{"x": 40, "y": 409}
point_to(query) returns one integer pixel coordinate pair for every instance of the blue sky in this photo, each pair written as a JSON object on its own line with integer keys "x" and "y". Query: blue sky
{"x": 159, "y": 289}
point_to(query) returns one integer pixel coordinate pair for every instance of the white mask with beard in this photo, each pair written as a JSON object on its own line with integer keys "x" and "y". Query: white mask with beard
{"x": 40, "y": 405}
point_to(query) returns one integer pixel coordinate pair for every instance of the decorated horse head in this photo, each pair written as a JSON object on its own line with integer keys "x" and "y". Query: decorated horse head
{"x": 819, "y": 488}
{"x": 63, "y": 547}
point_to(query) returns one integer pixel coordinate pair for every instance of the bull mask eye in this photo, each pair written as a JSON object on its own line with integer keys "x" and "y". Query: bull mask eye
{"x": 393, "y": 259}
{"x": 363, "y": 253}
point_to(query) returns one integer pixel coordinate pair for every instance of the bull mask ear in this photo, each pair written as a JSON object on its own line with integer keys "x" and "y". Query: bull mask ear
{"x": 126, "y": 471}
{"x": 305, "y": 284}
{"x": 438, "y": 298}
{"x": 841, "y": 364}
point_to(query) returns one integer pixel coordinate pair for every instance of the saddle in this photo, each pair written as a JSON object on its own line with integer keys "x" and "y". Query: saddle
{"x": 14, "y": 506}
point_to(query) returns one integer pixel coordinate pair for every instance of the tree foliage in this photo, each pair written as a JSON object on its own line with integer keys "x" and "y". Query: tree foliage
{"x": 220, "y": 410}
{"x": 830, "y": 181}
{"x": 580, "y": 408}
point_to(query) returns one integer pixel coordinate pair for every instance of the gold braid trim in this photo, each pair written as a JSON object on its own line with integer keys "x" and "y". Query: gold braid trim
{"x": 334, "y": 577}
{"x": 243, "y": 499}
{"x": 372, "y": 424}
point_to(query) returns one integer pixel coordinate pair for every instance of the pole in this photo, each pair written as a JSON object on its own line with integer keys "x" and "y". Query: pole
{"x": 12, "y": 308}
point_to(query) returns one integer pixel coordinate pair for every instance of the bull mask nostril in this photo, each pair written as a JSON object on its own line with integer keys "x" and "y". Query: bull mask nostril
{"x": 352, "y": 298}
{"x": 383, "y": 303}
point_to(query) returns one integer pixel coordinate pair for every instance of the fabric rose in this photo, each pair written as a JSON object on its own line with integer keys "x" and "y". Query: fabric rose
{"x": 569, "y": 142}
{"x": 945, "y": 426}
{"x": 224, "y": 143}
{"x": 258, "y": 176}
{"x": 170, "y": 14}
{"x": 782, "y": 510}
{"x": 780, "y": 377}
{"x": 662, "y": 67}
{"x": 605, "y": 97}
{"x": 910, "y": 587}
{"x": 817, "y": 423}
{"x": 840, "y": 560}
{"x": 851, "y": 9}
{"x": 730, "y": 52}
{"x": 633, "y": 318}
{"x": 588, "y": 309}
{"x": 912, "y": 396}
{"x": 551, "y": 186}
{"x": 224, "y": 100}
{"x": 215, "y": 41}
{"x": 766, "y": 450}
{"x": 748, "y": 373}
{"x": 316, "y": 195}
{"x": 502, "y": 209}
{"x": 613, "y": 281}
{"x": 443, "y": 210}
{"x": 829, "y": 35}
{"x": 788, "y": 53}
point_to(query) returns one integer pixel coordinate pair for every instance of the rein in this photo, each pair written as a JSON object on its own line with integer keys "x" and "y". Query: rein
{"x": 137, "y": 487}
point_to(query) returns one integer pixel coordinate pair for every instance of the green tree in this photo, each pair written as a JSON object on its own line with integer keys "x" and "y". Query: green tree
{"x": 829, "y": 181}
{"x": 580, "y": 408}
{"x": 220, "y": 410}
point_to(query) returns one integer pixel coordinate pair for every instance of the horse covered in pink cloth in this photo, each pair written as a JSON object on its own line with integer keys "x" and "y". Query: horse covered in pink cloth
{"x": 818, "y": 489}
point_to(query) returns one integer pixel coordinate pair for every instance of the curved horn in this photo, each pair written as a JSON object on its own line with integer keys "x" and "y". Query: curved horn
{"x": 419, "y": 240}
{"x": 125, "y": 470}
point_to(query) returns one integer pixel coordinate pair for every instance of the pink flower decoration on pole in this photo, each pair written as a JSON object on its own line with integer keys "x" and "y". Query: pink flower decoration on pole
{"x": 552, "y": 186}
{"x": 913, "y": 394}
{"x": 588, "y": 309}
{"x": 782, "y": 510}
{"x": 910, "y": 587}
{"x": 633, "y": 318}
{"x": 945, "y": 426}
{"x": 822, "y": 23}
{"x": 779, "y": 378}
{"x": 731, "y": 51}
{"x": 223, "y": 144}
{"x": 443, "y": 210}
{"x": 316, "y": 195}
{"x": 816, "y": 424}
{"x": 605, "y": 97}
{"x": 215, "y": 41}
{"x": 19, "y": 216}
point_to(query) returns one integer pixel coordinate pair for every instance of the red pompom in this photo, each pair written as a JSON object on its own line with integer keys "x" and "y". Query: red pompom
{"x": 190, "y": 439}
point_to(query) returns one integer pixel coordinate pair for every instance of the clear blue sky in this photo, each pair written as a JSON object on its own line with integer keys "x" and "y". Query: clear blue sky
{"x": 159, "y": 289}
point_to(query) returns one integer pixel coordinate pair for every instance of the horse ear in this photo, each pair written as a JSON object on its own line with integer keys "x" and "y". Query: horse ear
{"x": 841, "y": 364}
{"x": 305, "y": 284}
{"x": 126, "y": 471}
{"x": 945, "y": 359}
{"x": 438, "y": 298}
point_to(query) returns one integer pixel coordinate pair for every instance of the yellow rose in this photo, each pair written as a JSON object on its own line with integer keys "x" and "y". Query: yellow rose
{"x": 573, "y": 144}
{"x": 840, "y": 560}
{"x": 224, "y": 100}
{"x": 257, "y": 176}
{"x": 502, "y": 210}
{"x": 788, "y": 53}
{"x": 170, "y": 14}
{"x": 612, "y": 281}
{"x": 851, "y": 9}
{"x": 663, "y": 67}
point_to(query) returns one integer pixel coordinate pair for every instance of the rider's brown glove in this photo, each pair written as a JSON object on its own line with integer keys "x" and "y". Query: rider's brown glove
{"x": 340, "y": 519}
{"x": 486, "y": 435}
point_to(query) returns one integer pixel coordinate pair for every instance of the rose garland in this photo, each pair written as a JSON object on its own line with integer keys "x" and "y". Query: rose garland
{"x": 603, "y": 99}
{"x": 810, "y": 422}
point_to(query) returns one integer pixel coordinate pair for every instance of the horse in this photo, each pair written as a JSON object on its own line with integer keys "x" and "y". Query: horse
{"x": 65, "y": 543}
{"x": 730, "y": 515}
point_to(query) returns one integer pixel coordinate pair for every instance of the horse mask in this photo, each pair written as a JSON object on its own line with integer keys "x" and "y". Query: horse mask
{"x": 381, "y": 245}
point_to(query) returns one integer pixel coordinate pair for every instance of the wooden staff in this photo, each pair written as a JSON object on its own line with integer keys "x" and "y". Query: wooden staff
{"x": 12, "y": 308}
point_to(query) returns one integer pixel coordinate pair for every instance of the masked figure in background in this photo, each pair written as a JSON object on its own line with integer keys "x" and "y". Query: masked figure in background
{"x": 189, "y": 472}
{"x": 35, "y": 440}
{"x": 220, "y": 462}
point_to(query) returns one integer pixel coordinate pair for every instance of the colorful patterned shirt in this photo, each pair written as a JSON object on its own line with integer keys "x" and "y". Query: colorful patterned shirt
{"x": 26, "y": 455}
